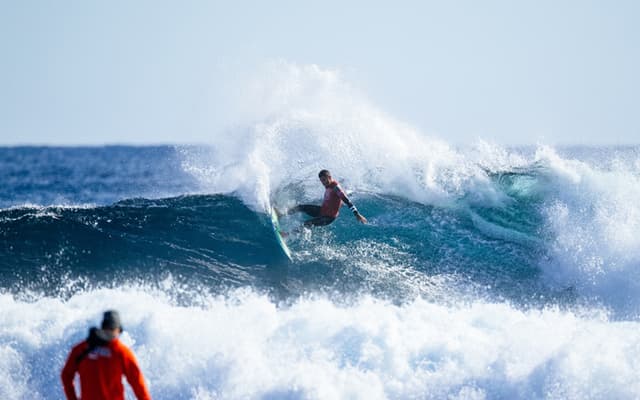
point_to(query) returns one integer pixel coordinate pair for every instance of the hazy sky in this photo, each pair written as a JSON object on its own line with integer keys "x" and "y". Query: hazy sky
{"x": 555, "y": 72}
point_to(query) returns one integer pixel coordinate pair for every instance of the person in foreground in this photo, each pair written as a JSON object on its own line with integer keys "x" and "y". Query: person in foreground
{"x": 101, "y": 360}
{"x": 330, "y": 208}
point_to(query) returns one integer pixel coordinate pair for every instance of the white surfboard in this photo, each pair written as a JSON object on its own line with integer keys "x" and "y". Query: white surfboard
{"x": 276, "y": 229}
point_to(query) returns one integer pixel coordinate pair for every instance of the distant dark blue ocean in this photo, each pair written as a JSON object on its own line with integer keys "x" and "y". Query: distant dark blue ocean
{"x": 483, "y": 273}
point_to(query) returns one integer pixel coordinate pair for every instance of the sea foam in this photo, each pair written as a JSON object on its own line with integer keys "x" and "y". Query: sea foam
{"x": 243, "y": 345}
{"x": 593, "y": 214}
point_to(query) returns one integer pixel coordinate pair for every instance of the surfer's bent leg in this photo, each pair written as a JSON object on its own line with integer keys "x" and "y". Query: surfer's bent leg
{"x": 309, "y": 209}
{"x": 319, "y": 221}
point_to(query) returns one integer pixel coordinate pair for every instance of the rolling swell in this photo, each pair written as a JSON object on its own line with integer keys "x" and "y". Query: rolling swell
{"x": 213, "y": 238}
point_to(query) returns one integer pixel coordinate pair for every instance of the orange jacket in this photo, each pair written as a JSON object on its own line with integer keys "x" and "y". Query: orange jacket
{"x": 101, "y": 373}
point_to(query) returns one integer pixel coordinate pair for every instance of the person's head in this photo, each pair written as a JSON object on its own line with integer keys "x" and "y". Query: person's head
{"x": 325, "y": 177}
{"x": 111, "y": 322}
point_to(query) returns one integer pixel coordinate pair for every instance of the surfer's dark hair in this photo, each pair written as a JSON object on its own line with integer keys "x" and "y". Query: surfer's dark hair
{"x": 324, "y": 172}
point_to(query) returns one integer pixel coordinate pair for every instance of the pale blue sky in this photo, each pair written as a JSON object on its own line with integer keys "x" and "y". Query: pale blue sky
{"x": 513, "y": 72}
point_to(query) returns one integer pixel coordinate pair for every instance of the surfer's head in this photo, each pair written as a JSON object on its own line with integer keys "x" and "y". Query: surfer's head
{"x": 325, "y": 177}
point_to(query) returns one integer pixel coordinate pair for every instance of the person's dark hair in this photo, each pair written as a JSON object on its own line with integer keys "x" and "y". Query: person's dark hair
{"x": 111, "y": 320}
{"x": 96, "y": 338}
{"x": 324, "y": 172}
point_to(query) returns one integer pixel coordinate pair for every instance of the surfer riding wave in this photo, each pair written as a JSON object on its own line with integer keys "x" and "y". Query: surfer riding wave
{"x": 325, "y": 214}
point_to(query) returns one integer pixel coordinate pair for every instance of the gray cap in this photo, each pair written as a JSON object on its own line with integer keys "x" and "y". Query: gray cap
{"x": 111, "y": 320}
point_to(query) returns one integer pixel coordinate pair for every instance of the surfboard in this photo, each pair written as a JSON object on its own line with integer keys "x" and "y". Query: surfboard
{"x": 275, "y": 222}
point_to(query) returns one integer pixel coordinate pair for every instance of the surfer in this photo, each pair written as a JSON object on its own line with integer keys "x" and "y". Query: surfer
{"x": 334, "y": 196}
{"x": 101, "y": 360}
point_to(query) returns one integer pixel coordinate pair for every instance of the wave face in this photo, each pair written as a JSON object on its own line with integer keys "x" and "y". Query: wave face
{"x": 484, "y": 272}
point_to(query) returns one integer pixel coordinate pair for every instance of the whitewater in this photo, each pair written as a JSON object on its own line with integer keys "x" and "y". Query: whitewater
{"x": 485, "y": 272}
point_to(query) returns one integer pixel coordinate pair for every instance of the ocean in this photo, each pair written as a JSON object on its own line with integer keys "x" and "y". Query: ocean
{"x": 485, "y": 272}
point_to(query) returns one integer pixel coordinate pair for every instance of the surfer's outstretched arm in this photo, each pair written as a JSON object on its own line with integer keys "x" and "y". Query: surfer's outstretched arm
{"x": 349, "y": 204}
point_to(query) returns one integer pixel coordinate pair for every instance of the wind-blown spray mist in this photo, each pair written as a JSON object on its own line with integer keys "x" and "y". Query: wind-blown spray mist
{"x": 300, "y": 119}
